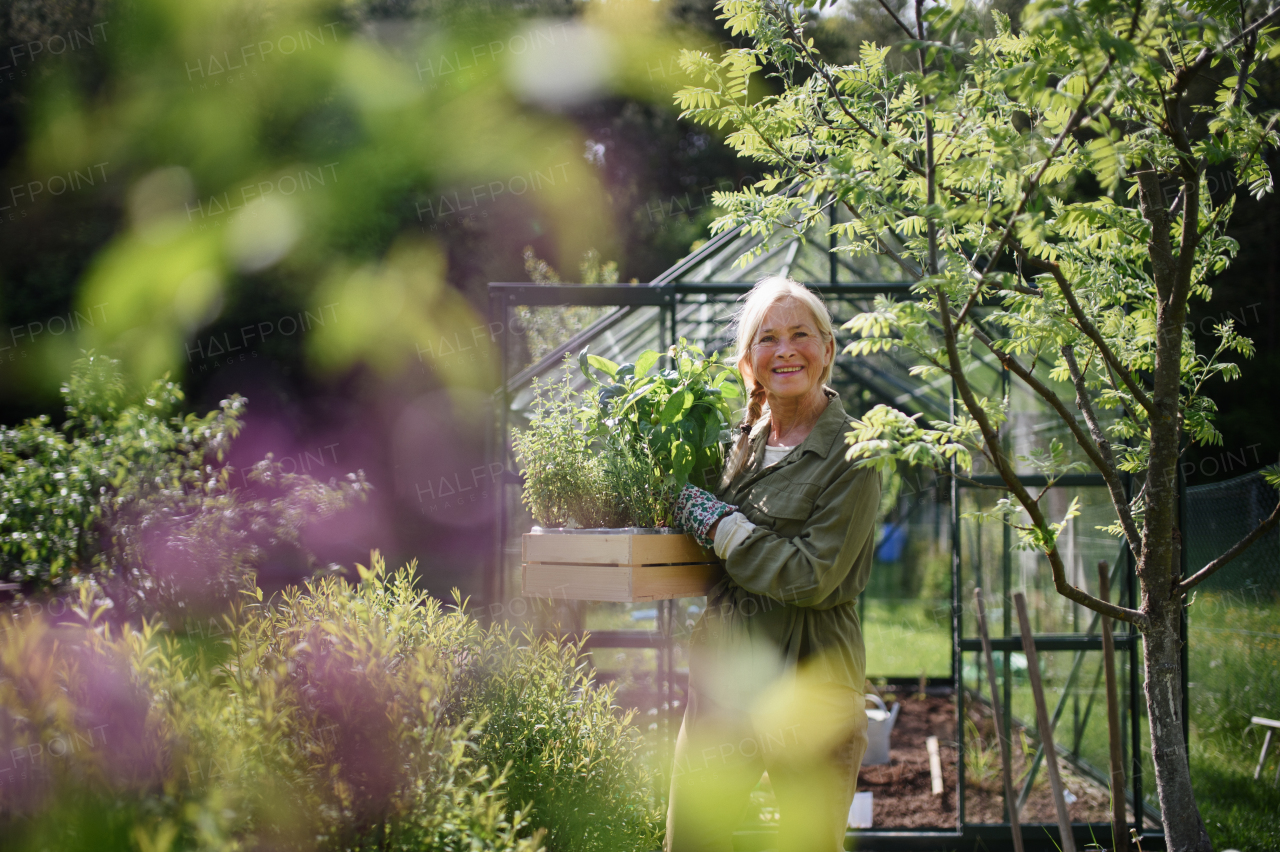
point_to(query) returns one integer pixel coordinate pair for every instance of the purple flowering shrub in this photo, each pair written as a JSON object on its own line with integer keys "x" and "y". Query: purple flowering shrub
{"x": 329, "y": 717}
{"x": 137, "y": 496}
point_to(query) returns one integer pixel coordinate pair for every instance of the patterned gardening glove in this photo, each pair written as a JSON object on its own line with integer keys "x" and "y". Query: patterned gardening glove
{"x": 696, "y": 511}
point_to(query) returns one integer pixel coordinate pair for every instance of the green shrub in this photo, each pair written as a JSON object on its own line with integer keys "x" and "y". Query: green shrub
{"x": 338, "y": 717}
{"x": 137, "y": 493}
{"x": 569, "y": 754}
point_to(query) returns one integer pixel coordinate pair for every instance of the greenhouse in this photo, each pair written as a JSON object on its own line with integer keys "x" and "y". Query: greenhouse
{"x": 933, "y": 554}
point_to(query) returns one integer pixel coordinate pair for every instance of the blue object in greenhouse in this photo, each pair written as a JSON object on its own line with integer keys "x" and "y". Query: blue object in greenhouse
{"x": 893, "y": 540}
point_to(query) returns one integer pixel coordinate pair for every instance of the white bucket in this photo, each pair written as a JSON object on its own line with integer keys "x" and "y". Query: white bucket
{"x": 879, "y": 725}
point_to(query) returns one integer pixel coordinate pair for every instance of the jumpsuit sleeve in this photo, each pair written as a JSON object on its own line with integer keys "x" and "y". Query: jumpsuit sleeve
{"x": 806, "y": 569}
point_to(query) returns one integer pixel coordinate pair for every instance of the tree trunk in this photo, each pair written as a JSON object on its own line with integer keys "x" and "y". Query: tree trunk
{"x": 1184, "y": 829}
{"x": 1159, "y": 563}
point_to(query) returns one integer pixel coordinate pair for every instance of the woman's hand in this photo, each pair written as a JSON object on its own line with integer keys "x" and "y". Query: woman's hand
{"x": 696, "y": 511}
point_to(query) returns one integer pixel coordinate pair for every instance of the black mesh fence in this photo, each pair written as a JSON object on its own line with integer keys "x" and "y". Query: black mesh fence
{"x": 1233, "y": 624}
{"x": 1219, "y": 515}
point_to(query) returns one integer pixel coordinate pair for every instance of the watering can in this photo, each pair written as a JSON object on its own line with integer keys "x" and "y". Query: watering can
{"x": 879, "y": 725}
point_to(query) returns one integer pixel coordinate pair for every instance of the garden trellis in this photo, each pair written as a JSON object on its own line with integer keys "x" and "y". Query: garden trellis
{"x": 695, "y": 299}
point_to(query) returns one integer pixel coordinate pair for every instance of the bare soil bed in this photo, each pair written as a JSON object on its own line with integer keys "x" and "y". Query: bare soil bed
{"x": 902, "y": 788}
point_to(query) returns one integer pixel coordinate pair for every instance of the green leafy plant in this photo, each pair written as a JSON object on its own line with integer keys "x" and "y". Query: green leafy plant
{"x": 981, "y": 757}
{"x": 614, "y": 455}
{"x": 568, "y": 755}
{"x": 680, "y": 415}
{"x": 565, "y": 481}
{"x": 638, "y": 495}
{"x": 138, "y": 495}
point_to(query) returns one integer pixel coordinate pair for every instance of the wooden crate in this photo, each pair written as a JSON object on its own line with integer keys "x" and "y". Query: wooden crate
{"x": 623, "y": 567}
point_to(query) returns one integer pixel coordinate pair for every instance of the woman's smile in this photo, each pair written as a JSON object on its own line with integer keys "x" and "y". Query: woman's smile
{"x": 787, "y": 345}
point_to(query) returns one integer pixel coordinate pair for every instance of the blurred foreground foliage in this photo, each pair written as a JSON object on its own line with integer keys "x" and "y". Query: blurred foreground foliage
{"x": 333, "y": 717}
{"x": 546, "y": 328}
{"x": 135, "y": 493}
{"x": 317, "y": 158}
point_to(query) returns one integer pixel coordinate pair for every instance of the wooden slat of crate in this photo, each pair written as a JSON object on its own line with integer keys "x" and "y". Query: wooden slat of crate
{"x": 620, "y": 583}
{"x": 623, "y": 567}
{"x": 610, "y": 549}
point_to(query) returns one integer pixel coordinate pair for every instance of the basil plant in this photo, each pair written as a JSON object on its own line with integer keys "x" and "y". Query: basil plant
{"x": 675, "y": 420}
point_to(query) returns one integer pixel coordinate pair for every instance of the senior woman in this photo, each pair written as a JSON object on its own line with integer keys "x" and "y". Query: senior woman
{"x": 777, "y": 665}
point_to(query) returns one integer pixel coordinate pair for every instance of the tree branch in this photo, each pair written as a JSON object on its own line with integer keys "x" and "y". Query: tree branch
{"x": 1091, "y": 331}
{"x": 931, "y": 181}
{"x": 822, "y": 71}
{"x": 1046, "y": 393}
{"x": 1109, "y": 472}
{"x": 1246, "y": 67}
{"x": 1184, "y": 77}
{"x": 1189, "y": 242}
{"x": 1239, "y": 547}
{"x": 1266, "y": 131}
{"x": 906, "y": 265}
{"x": 896, "y": 19}
{"x": 1067, "y": 130}
{"x": 992, "y": 439}
{"x": 1133, "y": 22}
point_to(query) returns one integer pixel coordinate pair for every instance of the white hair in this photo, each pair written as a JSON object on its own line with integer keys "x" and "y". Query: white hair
{"x": 767, "y": 293}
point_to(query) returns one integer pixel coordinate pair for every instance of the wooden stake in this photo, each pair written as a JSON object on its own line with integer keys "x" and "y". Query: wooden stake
{"x": 1067, "y": 839}
{"x": 1006, "y": 752}
{"x": 1119, "y": 828}
{"x": 935, "y": 764}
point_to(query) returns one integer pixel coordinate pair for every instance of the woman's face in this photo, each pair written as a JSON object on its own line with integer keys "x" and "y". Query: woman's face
{"x": 788, "y": 354}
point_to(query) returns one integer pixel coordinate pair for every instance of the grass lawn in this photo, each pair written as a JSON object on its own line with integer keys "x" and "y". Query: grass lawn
{"x": 907, "y": 637}
{"x": 1234, "y": 643}
{"x": 1239, "y": 812}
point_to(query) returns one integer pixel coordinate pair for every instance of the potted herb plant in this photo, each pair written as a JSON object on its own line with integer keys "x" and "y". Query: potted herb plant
{"x": 601, "y": 468}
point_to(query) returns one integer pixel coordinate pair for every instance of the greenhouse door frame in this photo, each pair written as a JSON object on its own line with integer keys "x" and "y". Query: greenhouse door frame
{"x": 1127, "y": 646}
{"x": 505, "y": 296}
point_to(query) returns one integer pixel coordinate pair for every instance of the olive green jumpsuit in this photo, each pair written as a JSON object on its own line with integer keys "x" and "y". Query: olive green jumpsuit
{"x": 777, "y": 665}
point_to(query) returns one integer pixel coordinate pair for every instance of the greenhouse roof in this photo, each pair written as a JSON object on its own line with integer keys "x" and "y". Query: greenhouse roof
{"x": 702, "y": 291}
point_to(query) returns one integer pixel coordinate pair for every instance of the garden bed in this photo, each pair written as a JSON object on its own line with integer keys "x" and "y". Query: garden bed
{"x": 902, "y": 788}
